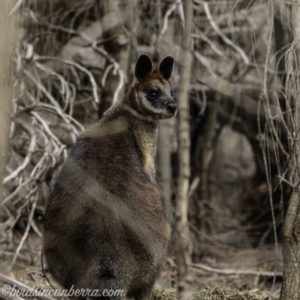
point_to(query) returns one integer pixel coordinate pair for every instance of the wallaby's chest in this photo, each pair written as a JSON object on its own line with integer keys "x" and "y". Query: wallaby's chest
{"x": 146, "y": 138}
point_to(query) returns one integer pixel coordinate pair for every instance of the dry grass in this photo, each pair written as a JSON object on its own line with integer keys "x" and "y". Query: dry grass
{"x": 217, "y": 293}
{"x": 207, "y": 285}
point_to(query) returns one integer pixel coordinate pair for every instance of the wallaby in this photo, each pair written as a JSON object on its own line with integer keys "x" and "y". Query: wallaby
{"x": 105, "y": 226}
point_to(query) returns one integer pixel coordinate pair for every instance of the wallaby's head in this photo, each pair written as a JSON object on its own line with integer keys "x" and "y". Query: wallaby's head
{"x": 153, "y": 94}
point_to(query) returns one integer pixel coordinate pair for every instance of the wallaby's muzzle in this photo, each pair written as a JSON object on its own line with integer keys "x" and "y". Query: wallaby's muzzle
{"x": 171, "y": 106}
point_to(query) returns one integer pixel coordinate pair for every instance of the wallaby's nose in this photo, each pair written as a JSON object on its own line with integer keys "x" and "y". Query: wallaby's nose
{"x": 171, "y": 107}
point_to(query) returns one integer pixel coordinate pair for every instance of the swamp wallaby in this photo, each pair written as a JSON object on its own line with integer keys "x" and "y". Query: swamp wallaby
{"x": 105, "y": 227}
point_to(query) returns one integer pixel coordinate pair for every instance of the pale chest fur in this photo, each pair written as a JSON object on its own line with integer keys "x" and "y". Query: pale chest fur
{"x": 149, "y": 152}
{"x": 146, "y": 137}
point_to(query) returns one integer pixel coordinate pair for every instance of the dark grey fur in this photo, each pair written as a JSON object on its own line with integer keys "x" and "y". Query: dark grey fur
{"x": 105, "y": 226}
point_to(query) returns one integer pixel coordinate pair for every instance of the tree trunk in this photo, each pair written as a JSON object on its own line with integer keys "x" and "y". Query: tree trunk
{"x": 291, "y": 250}
{"x": 291, "y": 226}
{"x": 207, "y": 152}
{"x": 166, "y": 130}
{"x": 6, "y": 36}
{"x": 164, "y": 166}
{"x": 183, "y": 253}
{"x": 117, "y": 46}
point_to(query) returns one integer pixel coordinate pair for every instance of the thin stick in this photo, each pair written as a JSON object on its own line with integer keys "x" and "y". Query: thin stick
{"x": 17, "y": 284}
{"x": 77, "y": 66}
{"x": 25, "y": 235}
{"x": 226, "y": 40}
{"x": 15, "y": 8}
{"x": 27, "y": 158}
{"x": 234, "y": 271}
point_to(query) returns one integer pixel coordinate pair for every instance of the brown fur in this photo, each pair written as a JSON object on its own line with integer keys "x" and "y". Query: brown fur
{"x": 105, "y": 226}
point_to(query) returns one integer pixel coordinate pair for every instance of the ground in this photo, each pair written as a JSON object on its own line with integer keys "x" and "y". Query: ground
{"x": 209, "y": 284}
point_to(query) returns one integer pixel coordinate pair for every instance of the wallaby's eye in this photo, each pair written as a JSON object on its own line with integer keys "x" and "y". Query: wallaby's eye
{"x": 153, "y": 94}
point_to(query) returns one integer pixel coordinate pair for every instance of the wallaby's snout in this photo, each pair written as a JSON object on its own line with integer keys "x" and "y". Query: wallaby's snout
{"x": 171, "y": 105}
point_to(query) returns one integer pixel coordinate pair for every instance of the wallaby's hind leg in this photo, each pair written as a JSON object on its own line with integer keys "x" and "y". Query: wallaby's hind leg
{"x": 77, "y": 298}
{"x": 109, "y": 289}
{"x": 143, "y": 295}
{"x": 117, "y": 297}
{"x": 109, "y": 298}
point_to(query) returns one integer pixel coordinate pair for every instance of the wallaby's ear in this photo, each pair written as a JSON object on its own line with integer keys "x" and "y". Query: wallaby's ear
{"x": 143, "y": 67}
{"x": 166, "y": 67}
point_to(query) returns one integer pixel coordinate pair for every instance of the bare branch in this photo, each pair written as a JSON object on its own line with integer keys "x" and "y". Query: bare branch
{"x": 21, "y": 286}
{"x": 234, "y": 272}
{"x": 226, "y": 40}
